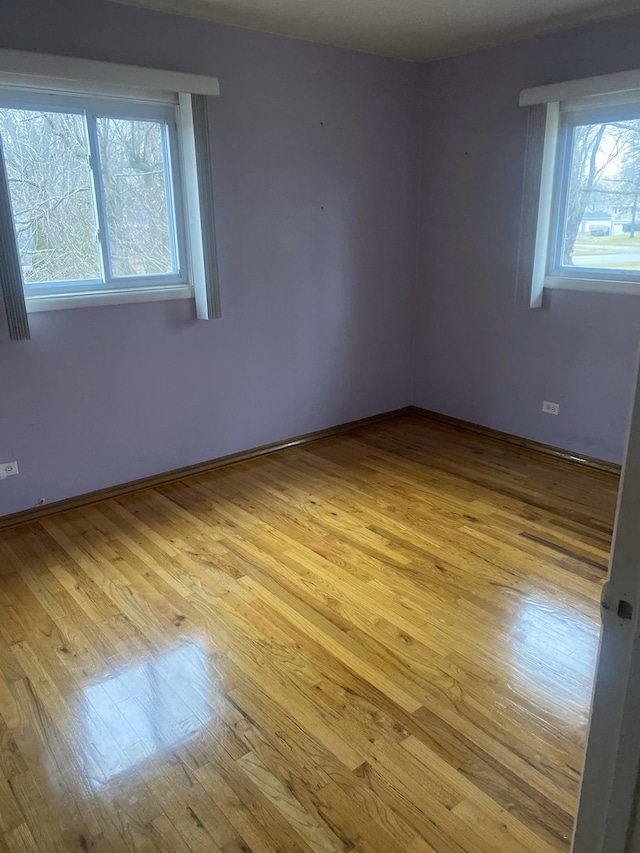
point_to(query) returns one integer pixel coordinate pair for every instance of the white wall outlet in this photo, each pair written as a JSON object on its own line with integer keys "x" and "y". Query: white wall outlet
{"x": 550, "y": 408}
{"x": 8, "y": 469}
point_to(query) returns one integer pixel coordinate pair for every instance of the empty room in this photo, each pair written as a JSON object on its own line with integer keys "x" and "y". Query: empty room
{"x": 319, "y": 436}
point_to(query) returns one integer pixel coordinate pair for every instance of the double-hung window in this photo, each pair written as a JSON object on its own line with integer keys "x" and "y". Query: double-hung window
{"x": 581, "y": 213}
{"x": 105, "y": 186}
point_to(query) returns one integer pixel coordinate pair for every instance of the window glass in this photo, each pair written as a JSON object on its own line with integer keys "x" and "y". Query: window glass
{"x": 47, "y": 160}
{"x": 137, "y": 190}
{"x": 92, "y": 195}
{"x": 600, "y": 217}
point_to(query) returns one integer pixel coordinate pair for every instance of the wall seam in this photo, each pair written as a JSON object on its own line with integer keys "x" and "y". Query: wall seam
{"x": 419, "y": 217}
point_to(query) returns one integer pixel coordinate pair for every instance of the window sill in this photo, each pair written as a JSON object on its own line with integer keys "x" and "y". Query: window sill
{"x": 592, "y": 285}
{"x": 94, "y": 299}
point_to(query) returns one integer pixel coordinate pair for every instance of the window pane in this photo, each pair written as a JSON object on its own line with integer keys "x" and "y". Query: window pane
{"x": 137, "y": 196}
{"x": 602, "y": 216}
{"x": 51, "y": 194}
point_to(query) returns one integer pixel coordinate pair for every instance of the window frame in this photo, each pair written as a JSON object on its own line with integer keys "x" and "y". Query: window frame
{"x": 111, "y": 289}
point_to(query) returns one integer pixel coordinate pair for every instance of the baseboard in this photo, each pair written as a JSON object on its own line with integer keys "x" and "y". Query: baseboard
{"x": 528, "y": 444}
{"x": 27, "y": 515}
{"x": 534, "y": 447}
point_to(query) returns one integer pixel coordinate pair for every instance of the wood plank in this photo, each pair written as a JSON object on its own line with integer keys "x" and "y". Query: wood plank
{"x": 378, "y": 642}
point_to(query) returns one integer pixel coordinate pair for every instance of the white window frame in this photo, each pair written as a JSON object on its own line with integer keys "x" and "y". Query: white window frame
{"x": 132, "y": 91}
{"x": 567, "y": 104}
{"x": 42, "y": 296}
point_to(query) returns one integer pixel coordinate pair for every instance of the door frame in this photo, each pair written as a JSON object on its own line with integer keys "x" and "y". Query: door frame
{"x": 608, "y": 804}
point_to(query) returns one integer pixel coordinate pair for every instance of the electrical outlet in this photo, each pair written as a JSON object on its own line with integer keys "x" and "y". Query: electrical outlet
{"x": 8, "y": 469}
{"x": 550, "y": 408}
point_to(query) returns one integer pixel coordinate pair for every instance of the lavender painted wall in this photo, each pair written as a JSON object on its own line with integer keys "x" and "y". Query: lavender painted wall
{"x": 315, "y": 155}
{"x": 478, "y": 357}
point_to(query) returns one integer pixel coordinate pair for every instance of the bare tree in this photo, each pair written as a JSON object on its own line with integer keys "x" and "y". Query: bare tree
{"x": 133, "y": 169}
{"x": 629, "y": 177}
{"x": 53, "y": 200}
{"x": 50, "y": 185}
{"x": 605, "y": 172}
{"x": 586, "y": 142}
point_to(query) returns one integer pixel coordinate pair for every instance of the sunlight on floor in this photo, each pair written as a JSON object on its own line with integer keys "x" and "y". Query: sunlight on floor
{"x": 545, "y": 635}
{"x": 149, "y": 708}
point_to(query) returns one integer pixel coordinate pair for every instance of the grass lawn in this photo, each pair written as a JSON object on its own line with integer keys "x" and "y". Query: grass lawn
{"x": 595, "y": 245}
{"x": 632, "y": 265}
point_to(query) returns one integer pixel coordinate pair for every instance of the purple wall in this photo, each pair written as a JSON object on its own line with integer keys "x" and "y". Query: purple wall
{"x": 315, "y": 154}
{"x": 477, "y": 356}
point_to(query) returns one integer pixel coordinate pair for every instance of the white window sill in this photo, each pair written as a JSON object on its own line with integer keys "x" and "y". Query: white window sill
{"x": 94, "y": 299}
{"x": 592, "y": 285}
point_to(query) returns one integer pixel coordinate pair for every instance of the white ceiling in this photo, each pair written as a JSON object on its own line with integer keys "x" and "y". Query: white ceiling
{"x": 408, "y": 29}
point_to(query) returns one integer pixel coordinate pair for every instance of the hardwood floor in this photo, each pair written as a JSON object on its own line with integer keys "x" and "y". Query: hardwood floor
{"x": 383, "y": 641}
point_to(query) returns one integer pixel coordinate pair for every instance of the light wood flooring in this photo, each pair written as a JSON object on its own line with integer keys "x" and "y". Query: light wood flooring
{"x": 382, "y": 641}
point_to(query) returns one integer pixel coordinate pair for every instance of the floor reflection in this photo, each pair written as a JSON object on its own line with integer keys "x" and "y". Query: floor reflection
{"x": 149, "y": 708}
{"x": 553, "y": 655}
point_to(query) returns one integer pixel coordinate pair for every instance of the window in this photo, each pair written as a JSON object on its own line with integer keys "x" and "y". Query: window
{"x": 580, "y": 226}
{"x": 596, "y": 218}
{"x": 106, "y": 187}
{"x": 96, "y": 194}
